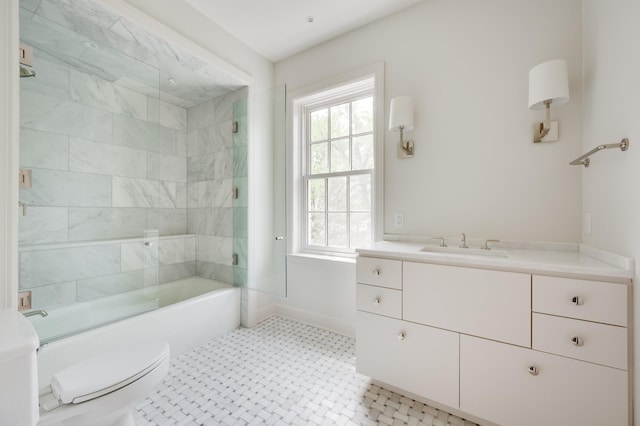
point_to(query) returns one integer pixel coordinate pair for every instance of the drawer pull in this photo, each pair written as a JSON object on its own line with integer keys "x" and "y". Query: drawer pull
{"x": 533, "y": 370}
{"x": 376, "y": 272}
{"x": 376, "y": 300}
{"x": 578, "y": 341}
{"x": 577, "y": 300}
{"x": 401, "y": 335}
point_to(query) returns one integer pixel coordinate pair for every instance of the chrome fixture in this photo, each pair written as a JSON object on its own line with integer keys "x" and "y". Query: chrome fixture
{"x": 577, "y": 300}
{"x": 401, "y": 335}
{"x": 578, "y": 341}
{"x": 548, "y": 84}
{"x": 376, "y": 272}
{"x": 533, "y": 370}
{"x": 24, "y": 300}
{"x": 26, "y": 58}
{"x": 24, "y": 207}
{"x": 463, "y": 241}
{"x": 442, "y": 244}
{"x": 25, "y": 179}
{"x": 584, "y": 159}
{"x": 401, "y": 119}
{"x": 36, "y": 312}
{"x": 25, "y": 72}
{"x": 485, "y": 246}
{"x": 376, "y": 301}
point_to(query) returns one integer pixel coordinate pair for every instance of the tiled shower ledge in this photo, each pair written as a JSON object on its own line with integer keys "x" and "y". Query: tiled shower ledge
{"x": 51, "y": 246}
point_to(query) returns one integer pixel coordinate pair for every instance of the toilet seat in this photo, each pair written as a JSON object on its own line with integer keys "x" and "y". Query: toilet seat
{"x": 103, "y": 374}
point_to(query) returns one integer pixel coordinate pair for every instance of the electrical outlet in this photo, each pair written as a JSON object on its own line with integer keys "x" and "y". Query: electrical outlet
{"x": 398, "y": 220}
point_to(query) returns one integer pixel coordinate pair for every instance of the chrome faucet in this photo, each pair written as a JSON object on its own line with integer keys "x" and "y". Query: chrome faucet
{"x": 36, "y": 312}
{"x": 463, "y": 241}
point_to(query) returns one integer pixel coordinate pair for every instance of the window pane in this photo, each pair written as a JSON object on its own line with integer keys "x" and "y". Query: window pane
{"x": 319, "y": 158}
{"x": 317, "y": 229}
{"x": 337, "y": 194}
{"x": 362, "y": 115}
{"x": 362, "y": 152}
{"x": 339, "y": 121}
{"x": 319, "y": 125}
{"x": 360, "y": 193}
{"x": 340, "y": 155}
{"x": 337, "y": 229}
{"x": 316, "y": 195}
{"x": 360, "y": 230}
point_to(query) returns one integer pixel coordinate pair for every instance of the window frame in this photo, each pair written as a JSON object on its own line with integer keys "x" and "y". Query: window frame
{"x": 362, "y": 83}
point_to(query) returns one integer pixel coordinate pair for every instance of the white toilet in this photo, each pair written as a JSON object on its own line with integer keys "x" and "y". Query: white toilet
{"x": 99, "y": 391}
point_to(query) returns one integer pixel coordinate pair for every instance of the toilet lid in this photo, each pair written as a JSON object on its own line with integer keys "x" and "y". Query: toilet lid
{"x": 107, "y": 372}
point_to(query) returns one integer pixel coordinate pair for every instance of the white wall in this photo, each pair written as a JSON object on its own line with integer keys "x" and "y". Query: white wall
{"x": 611, "y": 109}
{"x": 466, "y": 64}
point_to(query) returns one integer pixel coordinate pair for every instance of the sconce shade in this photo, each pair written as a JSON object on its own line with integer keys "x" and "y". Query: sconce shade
{"x": 548, "y": 81}
{"x": 401, "y": 113}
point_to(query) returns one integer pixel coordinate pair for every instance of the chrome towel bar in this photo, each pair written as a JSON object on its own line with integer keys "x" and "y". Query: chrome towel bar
{"x": 584, "y": 159}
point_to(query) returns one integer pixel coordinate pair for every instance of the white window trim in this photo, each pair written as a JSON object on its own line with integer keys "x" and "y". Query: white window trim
{"x": 296, "y": 99}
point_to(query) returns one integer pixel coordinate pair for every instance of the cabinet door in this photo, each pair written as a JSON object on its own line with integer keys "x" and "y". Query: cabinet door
{"x": 496, "y": 384}
{"x": 379, "y": 300}
{"x": 491, "y": 304}
{"x": 380, "y": 272}
{"x": 416, "y": 358}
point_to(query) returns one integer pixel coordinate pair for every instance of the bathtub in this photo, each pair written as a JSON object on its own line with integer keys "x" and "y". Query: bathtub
{"x": 191, "y": 311}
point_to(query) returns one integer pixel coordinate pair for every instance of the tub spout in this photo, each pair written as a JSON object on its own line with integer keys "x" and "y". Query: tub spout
{"x": 36, "y": 312}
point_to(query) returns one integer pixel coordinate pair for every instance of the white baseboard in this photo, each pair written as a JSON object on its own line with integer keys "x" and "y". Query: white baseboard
{"x": 347, "y": 328}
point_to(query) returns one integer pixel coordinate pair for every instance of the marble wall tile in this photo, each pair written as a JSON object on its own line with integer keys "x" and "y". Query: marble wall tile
{"x": 190, "y": 248}
{"x": 200, "y": 115}
{"x": 167, "y": 195}
{"x": 215, "y": 249}
{"x": 135, "y": 133}
{"x": 240, "y": 160}
{"x": 43, "y": 225}
{"x": 167, "y": 167}
{"x": 193, "y": 194}
{"x": 201, "y": 222}
{"x": 43, "y": 150}
{"x": 106, "y": 159}
{"x": 167, "y": 114}
{"x": 57, "y": 188}
{"x": 223, "y": 273}
{"x": 243, "y": 192}
{"x": 129, "y": 192}
{"x": 181, "y": 195}
{"x": 99, "y": 93}
{"x": 168, "y": 221}
{"x": 223, "y": 222}
{"x": 205, "y": 269}
{"x": 240, "y": 276}
{"x": 181, "y": 143}
{"x": 178, "y": 271}
{"x": 50, "y": 296}
{"x": 240, "y": 247}
{"x": 132, "y": 257}
{"x": 30, "y": 5}
{"x": 241, "y": 138}
{"x": 49, "y": 36}
{"x": 171, "y": 251}
{"x": 225, "y": 164}
{"x": 44, "y": 267}
{"x": 167, "y": 140}
{"x": 42, "y": 112}
{"x": 51, "y": 78}
{"x": 240, "y": 106}
{"x": 240, "y": 222}
{"x": 87, "y": 224}
{"x": 95, "y": 288}
{"x": 201, "y": 168}
{"x": 223, "y": 190}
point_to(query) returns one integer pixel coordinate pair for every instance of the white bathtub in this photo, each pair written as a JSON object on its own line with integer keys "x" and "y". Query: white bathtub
{"x": 192, "y": 311}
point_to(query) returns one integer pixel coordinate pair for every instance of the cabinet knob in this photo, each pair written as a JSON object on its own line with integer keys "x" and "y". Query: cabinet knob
{"x": 376, "y": 272}
{"x": 401, "y": 335}
{"x": 376, "y": 300}
{"x": 533, "y": 370}
{"x": 578, "y": 341}
{"x": 577, "y": 300}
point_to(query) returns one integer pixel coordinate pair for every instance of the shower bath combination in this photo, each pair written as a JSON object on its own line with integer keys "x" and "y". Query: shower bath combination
{"x": 26, "y": 61}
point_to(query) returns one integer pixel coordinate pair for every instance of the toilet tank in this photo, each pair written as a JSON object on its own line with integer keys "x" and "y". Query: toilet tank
{"x": 18, "y": 370}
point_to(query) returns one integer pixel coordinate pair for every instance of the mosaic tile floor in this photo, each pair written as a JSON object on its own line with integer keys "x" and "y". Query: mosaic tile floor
{"x": 280, "y": 372}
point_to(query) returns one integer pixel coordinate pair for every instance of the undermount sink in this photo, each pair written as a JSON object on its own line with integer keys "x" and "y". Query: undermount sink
{"x": 467, "y": 251}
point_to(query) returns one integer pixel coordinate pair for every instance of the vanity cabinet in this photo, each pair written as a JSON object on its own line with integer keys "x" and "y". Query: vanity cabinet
{"x": 511, "y": 348}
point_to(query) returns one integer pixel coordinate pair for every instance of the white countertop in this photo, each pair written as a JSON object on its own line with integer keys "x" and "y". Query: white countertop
{"x": 554, "y": 259}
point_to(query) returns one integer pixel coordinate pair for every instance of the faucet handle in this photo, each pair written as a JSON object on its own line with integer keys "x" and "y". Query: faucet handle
{"x": 442, "y": 244}
{"x": 485, "y": 246}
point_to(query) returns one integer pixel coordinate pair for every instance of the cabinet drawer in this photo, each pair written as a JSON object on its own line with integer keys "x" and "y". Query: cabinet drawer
{"x": 495, "y": 384}
{"x": 491, "y": 304}
{"x": 380, "y": 272}
{"x": 588, "y": 341}
{"x": 379, "y": 300}
{"x": 416, "y": 358}
{"x": 588, "y": 300}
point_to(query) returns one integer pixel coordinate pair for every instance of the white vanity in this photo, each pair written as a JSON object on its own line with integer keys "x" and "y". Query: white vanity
{"x": 541, "y": 337}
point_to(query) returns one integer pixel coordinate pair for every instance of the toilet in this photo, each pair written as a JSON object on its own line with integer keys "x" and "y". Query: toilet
{"x": 99, "y": 391}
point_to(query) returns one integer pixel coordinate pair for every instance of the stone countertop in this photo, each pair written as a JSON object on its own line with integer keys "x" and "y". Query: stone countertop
{"x": 570, "y": 260}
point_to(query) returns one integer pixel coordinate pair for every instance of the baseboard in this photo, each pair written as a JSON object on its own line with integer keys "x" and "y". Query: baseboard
{"x": 346, "y": 328}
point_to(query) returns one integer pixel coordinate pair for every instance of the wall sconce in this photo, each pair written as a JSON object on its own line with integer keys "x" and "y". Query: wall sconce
{"x": 401, "y": 118}
{"x": 548, "y": 84}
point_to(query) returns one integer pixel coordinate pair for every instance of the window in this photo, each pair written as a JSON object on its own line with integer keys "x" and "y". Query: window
{"x": 338, "y": 158}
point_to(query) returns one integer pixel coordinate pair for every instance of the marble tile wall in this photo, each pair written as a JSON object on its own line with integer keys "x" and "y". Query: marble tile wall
{"x": 212, "y": 174}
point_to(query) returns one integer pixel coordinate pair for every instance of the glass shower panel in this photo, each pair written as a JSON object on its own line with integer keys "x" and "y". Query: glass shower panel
{"x": 264, "y": 116}
{"x": 90, "y": 139}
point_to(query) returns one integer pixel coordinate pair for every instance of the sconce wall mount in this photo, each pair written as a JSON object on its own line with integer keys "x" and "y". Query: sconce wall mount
{"x": 401, "y": 119}
{"x": 548, "y": 84}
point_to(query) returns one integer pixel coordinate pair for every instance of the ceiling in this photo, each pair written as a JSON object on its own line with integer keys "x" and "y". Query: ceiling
{"x": 278, "y": 29}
